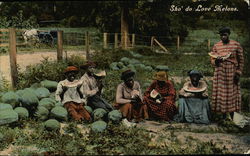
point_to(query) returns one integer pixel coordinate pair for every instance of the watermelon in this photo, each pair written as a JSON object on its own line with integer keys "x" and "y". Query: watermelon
{"x": 52, "y": 125}
{"x": 10, "y": 98}
{"x": 8, "y": 116}
{"x": 22, "y": 112}
{"x": 50, "y": 85}
{"x": 59, "y": 113}
{"x": 98, "y": 126}
{"x": 42, "y": 93}
{"x": 42, "y": 113}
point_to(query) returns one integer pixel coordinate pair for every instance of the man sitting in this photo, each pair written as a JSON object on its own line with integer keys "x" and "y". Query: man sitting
{"x": 92, "y": 87}
{"x": 68, "y": 92}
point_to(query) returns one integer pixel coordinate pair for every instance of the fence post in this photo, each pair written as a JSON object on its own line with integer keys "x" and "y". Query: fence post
{"x": 12, "y": 52}
{"x": 208, "y": 44}
{"x": 104, "y": 40}
{"x": 87, "y": 45}
{"x": 152, "y": 42}
{"x": 59, "y": 45}
{"x": 133, "y": 40}
{"x": 125, "y": 40}
{"x": 116, "y": 40}
{"x": 178, "y": 42}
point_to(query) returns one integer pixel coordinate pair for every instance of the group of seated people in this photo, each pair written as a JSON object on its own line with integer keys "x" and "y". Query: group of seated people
{"x": 157, "y": 103}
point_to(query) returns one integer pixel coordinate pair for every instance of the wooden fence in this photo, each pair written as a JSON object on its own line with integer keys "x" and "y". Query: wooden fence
{"x": 12, "y": 38}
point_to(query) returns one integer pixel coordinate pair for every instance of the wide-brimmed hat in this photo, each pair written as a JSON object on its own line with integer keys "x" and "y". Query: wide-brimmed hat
{"x": 88, "y": 64}
{"x": 224, "y": 30}
{"x": 195, "y": 72}
{"x": 161, "y": 76}
{"x": 127, "y": 74}
{"x": 100, "y": 73}
{"x": 71, "y": 69}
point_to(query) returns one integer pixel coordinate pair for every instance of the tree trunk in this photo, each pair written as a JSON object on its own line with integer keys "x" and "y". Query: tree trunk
{"x": 124, "y": 27}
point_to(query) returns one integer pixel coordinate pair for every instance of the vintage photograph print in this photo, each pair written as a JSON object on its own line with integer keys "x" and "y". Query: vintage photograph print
{"x": 138, "y": 77}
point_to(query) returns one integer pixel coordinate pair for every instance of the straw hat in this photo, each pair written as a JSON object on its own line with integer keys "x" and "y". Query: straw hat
{"x": 100, "y": 73}
{"x": 161, "y": 76}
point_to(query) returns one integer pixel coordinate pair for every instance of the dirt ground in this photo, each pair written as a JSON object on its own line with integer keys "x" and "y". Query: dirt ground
{"x": 25, "y": 59}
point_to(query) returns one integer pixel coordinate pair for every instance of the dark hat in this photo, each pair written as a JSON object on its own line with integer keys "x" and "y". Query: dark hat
{"x": 195, "y": 72}
{"x": 88, "y": 64}
{"x": 224, "y": 30}
{"x": 127, "y": 74}
{"x": 71, "y": 69}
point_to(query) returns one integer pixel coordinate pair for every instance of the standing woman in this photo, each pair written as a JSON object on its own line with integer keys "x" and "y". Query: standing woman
{"x": 160, "y": 98}
{"x": 227, "y": 59}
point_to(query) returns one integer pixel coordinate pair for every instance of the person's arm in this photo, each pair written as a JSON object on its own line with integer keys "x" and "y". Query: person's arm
{"x": 86, "y": 89}
{"x": 60, "y": 92}
{"x": 119, "y": 98}
{"x": 183, "y": 93}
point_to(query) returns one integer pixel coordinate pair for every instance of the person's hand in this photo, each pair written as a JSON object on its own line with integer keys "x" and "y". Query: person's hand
{"x": 198, "y": 95}
{"x": 218, "y": 60}
{"x": 236, "y": 78}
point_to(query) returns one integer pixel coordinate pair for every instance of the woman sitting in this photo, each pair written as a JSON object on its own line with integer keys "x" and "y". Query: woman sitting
{"x": 129, "y": 98}
{"x": 193, "y": 102}
{"x": 160, "y": 98}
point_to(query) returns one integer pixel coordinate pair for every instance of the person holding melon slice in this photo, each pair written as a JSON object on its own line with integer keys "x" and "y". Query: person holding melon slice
{"x": 68, "y": 92}
{"x": 226, "y": 96}
{"x": 160, "y": 98}
{"x": 193, "y": 100}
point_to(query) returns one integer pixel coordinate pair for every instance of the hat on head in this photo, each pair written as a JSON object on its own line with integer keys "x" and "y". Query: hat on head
{"x": 224, "y": 30}
{"x": 195, "y": 72}
{"x": 161, "y": 76}
{"x": 71, "y": 69}
{"x": 127, "y": 74}
{"x": 88, "y": 64}
{"x": 100, "y": 73}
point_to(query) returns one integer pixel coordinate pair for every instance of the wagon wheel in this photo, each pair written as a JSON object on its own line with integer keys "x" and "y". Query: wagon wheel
{"x": 48, "y": 40}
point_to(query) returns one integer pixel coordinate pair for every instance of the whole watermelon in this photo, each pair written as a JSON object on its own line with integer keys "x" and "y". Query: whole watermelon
{"x": 50, "y": 85}
{"x": 11, "y": 98}
{"x": 8, "y": 116}
{"x": 41, "y": 113}
{"x": 47, "y": 103}
{"x": 22, "y": 112}
{"x": 42, "y": 93}
{"x": 59, "y": 113}
{"x": 52, "y": 125}
{"x": 99, "y": 114}
{"x": 98, "y": 126}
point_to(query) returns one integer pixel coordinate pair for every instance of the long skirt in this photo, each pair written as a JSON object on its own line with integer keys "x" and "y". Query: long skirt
{"x": 163, "y": 111}
{"x": 77, "y": 111}
{"x": 226, "y": 96}
{"x": 193, "y": 110}
{"x": 98, "y": 102}
{"x": 132, "y": 111}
